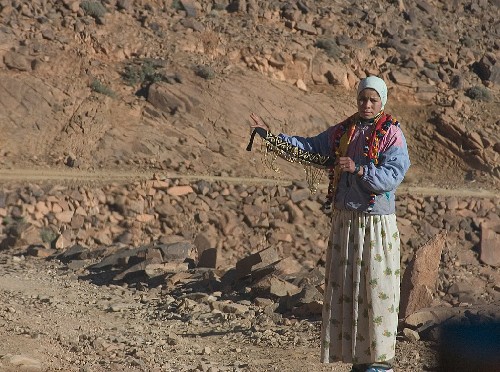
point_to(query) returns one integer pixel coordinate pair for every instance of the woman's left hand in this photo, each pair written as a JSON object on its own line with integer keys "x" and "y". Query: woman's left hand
{"x": 346, "y": 164}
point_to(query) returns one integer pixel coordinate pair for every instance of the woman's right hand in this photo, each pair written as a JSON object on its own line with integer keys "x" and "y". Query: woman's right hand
{"x": 258, "y": 122}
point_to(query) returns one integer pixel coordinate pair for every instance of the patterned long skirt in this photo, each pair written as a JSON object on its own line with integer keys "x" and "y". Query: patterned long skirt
{"x": 361, "y": 302}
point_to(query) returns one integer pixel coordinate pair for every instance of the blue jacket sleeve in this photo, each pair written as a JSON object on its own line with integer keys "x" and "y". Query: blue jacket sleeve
{"x": 319, "y": 144}
{"x": 391, "y": 169}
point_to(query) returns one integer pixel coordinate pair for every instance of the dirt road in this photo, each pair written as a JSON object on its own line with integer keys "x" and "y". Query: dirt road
{"x": 76, "y": 176}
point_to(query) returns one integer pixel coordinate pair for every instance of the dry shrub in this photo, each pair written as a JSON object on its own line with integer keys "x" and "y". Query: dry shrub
{"x": 210, "y": 41}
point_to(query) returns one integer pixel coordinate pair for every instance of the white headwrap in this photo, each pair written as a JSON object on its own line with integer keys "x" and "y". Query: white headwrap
{"x": 377, "y": 84}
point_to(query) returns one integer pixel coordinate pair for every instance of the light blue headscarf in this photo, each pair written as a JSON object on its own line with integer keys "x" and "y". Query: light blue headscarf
{"x": 377, "y": 84}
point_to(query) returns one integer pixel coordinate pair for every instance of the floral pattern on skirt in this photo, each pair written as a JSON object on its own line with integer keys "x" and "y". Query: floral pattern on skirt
{"x": 362, "y": 286}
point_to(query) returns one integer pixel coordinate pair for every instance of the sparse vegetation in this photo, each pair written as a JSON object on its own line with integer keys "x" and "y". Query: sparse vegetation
{"x": 431, "y": 66}
{"x": 478, "y": 93}
{"x": 219, "y": 6}
{"x": 330, "y": 47}
{"x": 176, "y": 4}
{"x": 206, "y": 72}
{"x": 157, "y": 29}
{"x": 210, "y": 41}
{"x": 9, "y": 220}
{"x": 133, "y": 116}
{"x": 143, "y": 73}
{"x": 94, "y": 9}
{"x": 99, "y": 87}
{"x": 48, "y": 235}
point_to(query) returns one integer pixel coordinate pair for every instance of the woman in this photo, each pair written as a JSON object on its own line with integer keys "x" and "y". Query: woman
{"x": 361, "y": 300}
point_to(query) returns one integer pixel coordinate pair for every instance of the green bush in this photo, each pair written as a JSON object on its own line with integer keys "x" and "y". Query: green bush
{"x": 145, "y": 72}
{"x": 101, "y": 88}
{"x": 206, "y": 72}
{"x": 177, "y": 5}
{"x": 478, "y": 93}
{"x": 94, "y": 9}
{"x": 330, "y": 47}
{"x": 133, "y": 75}
{"x": 431, "y": 65}
{"x": 48, "y": 235}
{"x": 9, "y": 220}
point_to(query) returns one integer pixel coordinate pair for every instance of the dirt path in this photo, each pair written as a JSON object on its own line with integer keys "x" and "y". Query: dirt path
{"x": 52, "y": 321}
{"x": 75, "y": 176}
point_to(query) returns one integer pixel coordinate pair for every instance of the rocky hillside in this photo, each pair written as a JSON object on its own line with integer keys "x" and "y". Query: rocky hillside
{"x": 169, "y": 84}
{"x": 199, "y": 245}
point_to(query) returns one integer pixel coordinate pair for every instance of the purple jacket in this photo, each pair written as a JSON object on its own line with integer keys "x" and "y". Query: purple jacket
{"x": 353, "y": 192}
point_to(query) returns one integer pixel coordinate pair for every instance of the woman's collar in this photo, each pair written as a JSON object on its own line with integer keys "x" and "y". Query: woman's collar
{"x": 370, "y": 121}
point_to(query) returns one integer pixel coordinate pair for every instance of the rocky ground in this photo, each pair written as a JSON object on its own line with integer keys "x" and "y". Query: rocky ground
{"x": 138, "y": 234}
{"x": 173, "y": 274}
{"x": 52, "y": 321}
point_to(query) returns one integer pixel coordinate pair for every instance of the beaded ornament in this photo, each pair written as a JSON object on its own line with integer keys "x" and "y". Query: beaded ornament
{"x": 340, "y": 142}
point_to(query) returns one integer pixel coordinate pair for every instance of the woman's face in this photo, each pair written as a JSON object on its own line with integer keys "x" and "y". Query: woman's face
{"x": 369, "y": 103}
